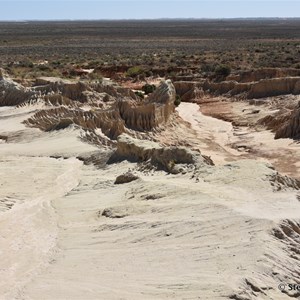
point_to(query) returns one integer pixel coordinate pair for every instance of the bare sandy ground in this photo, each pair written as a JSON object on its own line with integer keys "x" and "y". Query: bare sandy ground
{"x": 225, "y": 142}
{"x": 220, "y": 236}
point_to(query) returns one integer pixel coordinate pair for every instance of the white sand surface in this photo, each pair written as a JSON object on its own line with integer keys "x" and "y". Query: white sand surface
{"x": 167, "y": 237}
{"x": 212, "y": 130}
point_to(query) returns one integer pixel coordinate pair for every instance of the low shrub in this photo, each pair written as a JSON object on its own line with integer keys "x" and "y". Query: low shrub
{"x": 222, "y": 70}
{"x": 139, "y": 94}
{"x": 177, "y": 100}
{"x": 148, "y": 88}
{"x": 134, "y": 71}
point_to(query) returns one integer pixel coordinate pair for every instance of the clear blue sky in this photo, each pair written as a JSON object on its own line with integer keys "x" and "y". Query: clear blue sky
{"x": 145, "y": 9}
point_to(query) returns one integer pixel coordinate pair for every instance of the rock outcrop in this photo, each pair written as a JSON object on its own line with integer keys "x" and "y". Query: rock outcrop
{"x": 226, "y": 87}
{"x": 125, "y": 178}
{"x": 291, "y": 127}
{"x": 12, "y": 93}
{"x": 285, "y": 123}
{"x": 276, "y": 121}
{"x": 170, "y": 159}
{"x": 282, "y": 182}
{"x": 275, "y": 87}
{"x": 152, "y": 112}
{"x": 189, "y": 91}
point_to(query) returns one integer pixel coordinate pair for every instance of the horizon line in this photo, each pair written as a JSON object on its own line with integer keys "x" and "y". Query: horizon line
{"x": 147, "y": 19}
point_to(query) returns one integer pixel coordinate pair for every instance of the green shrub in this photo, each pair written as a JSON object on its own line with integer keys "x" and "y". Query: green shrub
{"x": 43, "y": 68}
{"x": 222, "y": 70}
{"x": 297, "y": 66}
{"x": 148, "y": 88}
{"x": 134, "y": 71}
{"x": 95, "y": 76}
{"x": 207, "y": 68}
{"x": 177, "y": 100}
{"x": 139, "y": 94}
{"x": 26, "y": 64}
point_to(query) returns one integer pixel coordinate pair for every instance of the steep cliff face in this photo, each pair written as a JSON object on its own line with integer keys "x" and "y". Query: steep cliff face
{"x": 276, "y": 121}
{"x": 275, "y": 87}
{"x": 189, "y": 91}
{"x": 138, "y": 117}
{"x": 291, "y": 127}
{"x": 226, "y": 87}
{"x": 152, "y": 112}
{"x": 12, "y": 93}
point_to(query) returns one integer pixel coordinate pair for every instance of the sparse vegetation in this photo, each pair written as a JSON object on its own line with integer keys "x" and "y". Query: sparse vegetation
{"x": 139, "y": 94}
{"x": 134, "y": 71}
{"x": 222, "y": 70}
{"x": 129, "y": 54}
{"x": 148, "y": 88}
{"x": 177, "y": 100}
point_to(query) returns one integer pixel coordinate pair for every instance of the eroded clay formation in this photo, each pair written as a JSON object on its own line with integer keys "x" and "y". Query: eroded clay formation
{"x": 251, "y": 84}
{"x": 171, "y": 159}
{"x": 285, "y": 123}
{"x": 257, "y": 87}
{"x": 109, "y": 107}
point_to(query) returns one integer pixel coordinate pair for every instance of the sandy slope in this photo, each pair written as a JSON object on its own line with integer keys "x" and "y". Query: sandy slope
{"x": 167, "y": 237}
